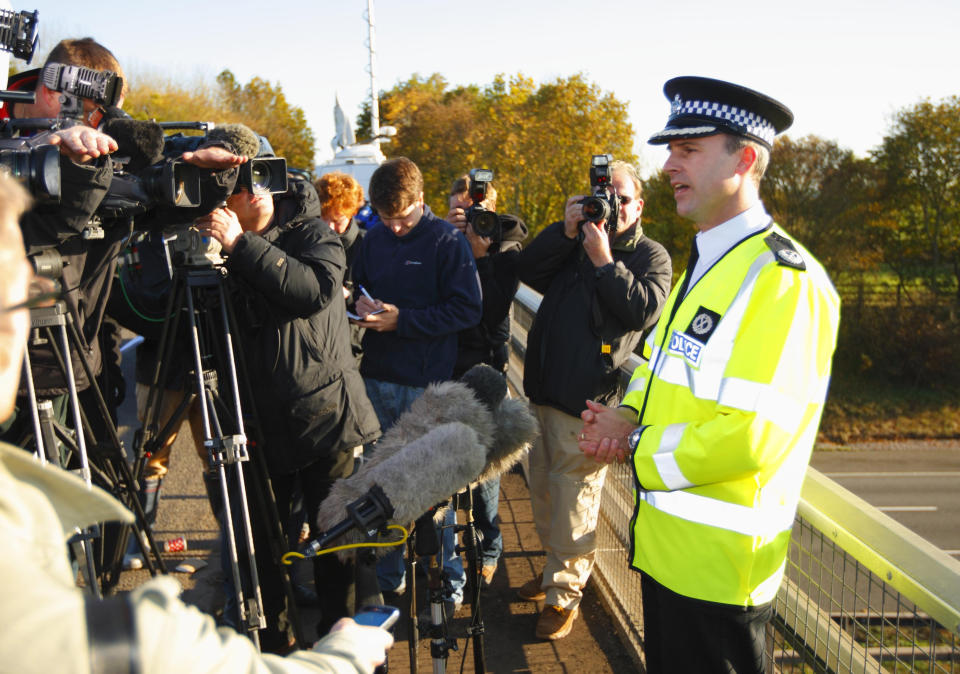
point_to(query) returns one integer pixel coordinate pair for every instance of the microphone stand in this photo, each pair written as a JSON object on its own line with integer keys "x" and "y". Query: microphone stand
{"x": 472, "y": 548}
{"x": 428, "y": 545}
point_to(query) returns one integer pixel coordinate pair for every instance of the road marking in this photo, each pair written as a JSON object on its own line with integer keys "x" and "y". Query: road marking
{"x": 907, "y": 509}
{"x": 955, "y": 553}
{"x": 953, "y": 473}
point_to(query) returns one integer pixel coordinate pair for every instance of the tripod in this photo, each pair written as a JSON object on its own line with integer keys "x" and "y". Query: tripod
{"x": 54, "y": 327}
{"x": 199, "y": 292}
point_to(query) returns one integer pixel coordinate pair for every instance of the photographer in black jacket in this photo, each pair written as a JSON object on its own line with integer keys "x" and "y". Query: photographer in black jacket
{"x": 286, "y": 273}
{"x": 487, "y": 342}
{"x": 600, "y": 292}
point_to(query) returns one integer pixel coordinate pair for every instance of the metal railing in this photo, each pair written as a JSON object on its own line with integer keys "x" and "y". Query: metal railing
{"x": 861, "y": 593}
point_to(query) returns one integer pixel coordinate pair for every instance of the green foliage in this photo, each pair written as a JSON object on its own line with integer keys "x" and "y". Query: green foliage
{"x": 826, "y": 197}
{"x": 264, "y": 108}
{"x": 258, "y": 104}
{"x": 661, "y": 222}
{"x": 537, "y": 139}
{"x": 921, "y": 188}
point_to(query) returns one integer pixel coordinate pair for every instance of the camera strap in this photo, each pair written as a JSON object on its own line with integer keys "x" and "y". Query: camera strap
{"x": 112, "y": 636}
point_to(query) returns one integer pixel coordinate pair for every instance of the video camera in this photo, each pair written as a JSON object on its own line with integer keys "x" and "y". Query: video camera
{"x": 264, "y": 175}
{"x": 185, "y": 246}
{"x": 484, "y": 222}
{"x": 37, "y": 168}
{"x": 603, "y": 208}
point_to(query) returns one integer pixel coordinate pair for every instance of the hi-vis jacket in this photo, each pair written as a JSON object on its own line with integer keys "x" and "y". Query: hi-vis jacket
{"x": 731, "y": 399}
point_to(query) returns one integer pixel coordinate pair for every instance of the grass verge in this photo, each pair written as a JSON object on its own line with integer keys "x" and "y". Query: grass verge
{"x": 862, "y": 410}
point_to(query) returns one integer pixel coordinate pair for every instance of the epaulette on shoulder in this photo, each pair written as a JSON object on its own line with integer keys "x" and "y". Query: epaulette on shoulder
{"x": 785, "y": 252}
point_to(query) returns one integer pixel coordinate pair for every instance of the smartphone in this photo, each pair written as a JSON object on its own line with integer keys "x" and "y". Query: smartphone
{"x": 378, "y": 616}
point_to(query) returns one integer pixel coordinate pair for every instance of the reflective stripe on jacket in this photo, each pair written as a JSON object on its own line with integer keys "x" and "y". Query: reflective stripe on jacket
{"x": 732, "y": 397}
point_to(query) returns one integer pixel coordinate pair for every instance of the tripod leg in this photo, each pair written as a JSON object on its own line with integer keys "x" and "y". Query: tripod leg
{"x": 223, "y": 452}
{"x": 236, "y": 368}
{"x": 82, "y": 546}
{"x": 428, "y": 547}
{"x": 123, "y": 485}
{"x": 42, "y": 435}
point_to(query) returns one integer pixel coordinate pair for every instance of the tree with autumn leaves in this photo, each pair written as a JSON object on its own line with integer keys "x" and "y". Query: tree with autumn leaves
{"x": 538, "y": 139}
{"x": 259, "y": 104}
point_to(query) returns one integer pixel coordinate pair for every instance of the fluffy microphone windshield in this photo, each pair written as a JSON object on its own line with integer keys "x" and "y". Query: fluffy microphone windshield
{"x": 446, "y": 440}
{"x": 243, "y": 140}
{"x": 139, "y": 140}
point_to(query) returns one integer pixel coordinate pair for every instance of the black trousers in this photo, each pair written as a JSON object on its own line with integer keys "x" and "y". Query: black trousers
{"x": 692, "y": 636}
{"x": 340, "y": 586}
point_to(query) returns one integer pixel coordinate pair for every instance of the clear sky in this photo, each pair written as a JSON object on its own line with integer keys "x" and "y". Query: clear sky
{"x": 842, "y": 66}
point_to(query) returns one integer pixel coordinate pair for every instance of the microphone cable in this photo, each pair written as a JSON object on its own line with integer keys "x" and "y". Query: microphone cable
{"x": 288, "y": 558}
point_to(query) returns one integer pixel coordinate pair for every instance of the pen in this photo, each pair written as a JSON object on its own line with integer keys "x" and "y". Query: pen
{"x": 365, "y": 293}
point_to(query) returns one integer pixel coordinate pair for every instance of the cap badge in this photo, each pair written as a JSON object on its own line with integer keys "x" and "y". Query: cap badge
{"x": 676, "y": 105}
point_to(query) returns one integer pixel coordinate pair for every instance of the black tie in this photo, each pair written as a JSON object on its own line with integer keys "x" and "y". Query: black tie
{"x": 691, "y": 263}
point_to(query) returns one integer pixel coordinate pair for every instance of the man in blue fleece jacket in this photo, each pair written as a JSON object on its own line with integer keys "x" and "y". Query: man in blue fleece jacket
{"x": 416, "y": 287}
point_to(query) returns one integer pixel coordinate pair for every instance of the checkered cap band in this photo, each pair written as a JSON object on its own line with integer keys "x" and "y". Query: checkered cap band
{"x": 745, "y": 121}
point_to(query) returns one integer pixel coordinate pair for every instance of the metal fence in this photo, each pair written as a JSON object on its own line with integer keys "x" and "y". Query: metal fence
{"x": 861, "y": 594}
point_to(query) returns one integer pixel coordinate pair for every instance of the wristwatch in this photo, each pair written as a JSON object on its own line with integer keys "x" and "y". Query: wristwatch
{"x": 634, "y": 438}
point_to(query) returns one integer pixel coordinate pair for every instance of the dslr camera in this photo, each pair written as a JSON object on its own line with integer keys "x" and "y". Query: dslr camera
{"x": 603, "y": 207}
{"x": 484, "y": 222}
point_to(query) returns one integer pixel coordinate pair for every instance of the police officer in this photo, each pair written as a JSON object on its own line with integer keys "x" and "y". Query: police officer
{"x": 718, "y": 426}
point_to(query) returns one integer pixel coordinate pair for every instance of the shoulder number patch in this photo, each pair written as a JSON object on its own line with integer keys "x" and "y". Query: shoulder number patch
{"x": 785, "y": 252}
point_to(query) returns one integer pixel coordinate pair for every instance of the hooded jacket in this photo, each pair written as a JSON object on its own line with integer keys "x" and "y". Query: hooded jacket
{"x": 286, "y": 290}
{"x": 486, "y": 342}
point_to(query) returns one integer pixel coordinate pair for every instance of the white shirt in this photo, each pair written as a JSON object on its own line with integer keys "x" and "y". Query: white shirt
{"x": 716, "y": 241}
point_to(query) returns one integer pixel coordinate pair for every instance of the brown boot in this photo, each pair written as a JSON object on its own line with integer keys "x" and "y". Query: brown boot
{"x": 531, "y": 591}
{"x": 555, "y": 622}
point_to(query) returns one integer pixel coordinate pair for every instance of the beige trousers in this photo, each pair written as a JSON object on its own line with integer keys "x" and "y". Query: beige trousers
{"x": 565, "y": 491}
{"x": 158, "y": 463}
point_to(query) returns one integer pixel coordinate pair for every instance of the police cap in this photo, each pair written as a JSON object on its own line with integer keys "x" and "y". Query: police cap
{"x": 700, "y": 106}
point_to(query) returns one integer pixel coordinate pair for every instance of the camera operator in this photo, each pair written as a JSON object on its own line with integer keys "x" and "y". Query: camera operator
{"x": 40, "y": 507}
{"x": 487, "y": 342}
{"x": 600, "y": 292}
{"x": 86, "y": 172}
{"x": 286, "y": 277}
